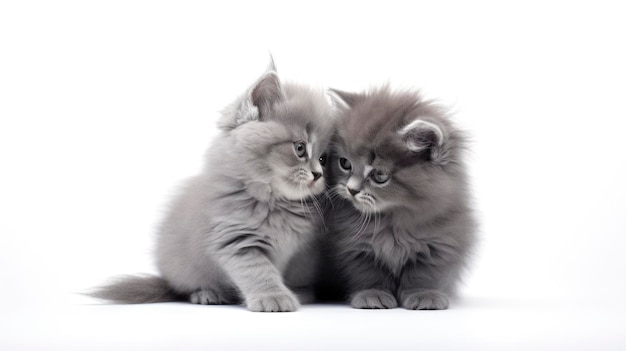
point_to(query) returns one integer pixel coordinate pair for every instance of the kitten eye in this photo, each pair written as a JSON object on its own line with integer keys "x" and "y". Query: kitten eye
{"x": 322, "y": 160}
{"x": 299, "y": 148}
{"x": 380, "y": 177}
{"x": 345, "y": 164}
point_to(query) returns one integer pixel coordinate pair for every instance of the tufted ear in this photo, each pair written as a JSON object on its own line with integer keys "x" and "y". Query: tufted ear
{"x": 266, "y": 92}
{"x": 421, "y": 135}
{"x": 256, "y": 103}
{"x": 343, "y": 99}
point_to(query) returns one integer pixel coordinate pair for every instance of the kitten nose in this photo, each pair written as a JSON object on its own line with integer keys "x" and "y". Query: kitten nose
{"x": 353, "y": 191}
{"x": 316, "y": 175}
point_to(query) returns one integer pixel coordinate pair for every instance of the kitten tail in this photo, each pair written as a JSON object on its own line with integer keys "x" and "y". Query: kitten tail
{"x": 131, "y": 289}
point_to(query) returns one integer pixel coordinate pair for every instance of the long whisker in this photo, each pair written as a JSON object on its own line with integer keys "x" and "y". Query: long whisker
{"x": 367, "y": 223}
{"x": 376, "y": 221}
{"x": 328, "y": 193}
{"x": 318, "y": 207}
{"x": 356, "y": 224}
{"x": 304, "y": 208}
{"x": 365, "y": 216}
{"x": 335, "y": 193}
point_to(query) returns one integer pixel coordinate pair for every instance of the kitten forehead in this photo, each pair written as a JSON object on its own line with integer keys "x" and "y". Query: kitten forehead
{"x": 377, "y": 117}
{"x": 306, "y": 115}
{"x": 380, "y": 120}
{"x": 304, "y": 108}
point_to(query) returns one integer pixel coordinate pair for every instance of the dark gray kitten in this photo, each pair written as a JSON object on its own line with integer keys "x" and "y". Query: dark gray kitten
{"x": 401, "y": 227}
{"x": 247, "y": 228}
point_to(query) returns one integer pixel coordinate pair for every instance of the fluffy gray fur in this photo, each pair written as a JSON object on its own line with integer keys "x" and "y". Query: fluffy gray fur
{"x": 247, "y": 228}
{"x": 401, "y": 226}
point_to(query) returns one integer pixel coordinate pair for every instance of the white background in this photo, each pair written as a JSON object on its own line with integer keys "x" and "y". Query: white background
{"x": 106, "y": 106}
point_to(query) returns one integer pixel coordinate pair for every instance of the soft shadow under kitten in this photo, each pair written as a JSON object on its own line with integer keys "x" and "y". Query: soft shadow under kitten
{"x": 401, "y": 227}
{"x": 247, "y": 228}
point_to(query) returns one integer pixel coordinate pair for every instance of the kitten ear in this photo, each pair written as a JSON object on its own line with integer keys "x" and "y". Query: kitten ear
{"x": 343, "y": 99}
{"x": 256, "y": 103}
{"x": 266, "y": 92}
{"x": 272, "y": 65}
{"x": 421, "y": 135}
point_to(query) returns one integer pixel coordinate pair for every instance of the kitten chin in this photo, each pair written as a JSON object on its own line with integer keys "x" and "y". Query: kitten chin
{"x": 401, "y": 227}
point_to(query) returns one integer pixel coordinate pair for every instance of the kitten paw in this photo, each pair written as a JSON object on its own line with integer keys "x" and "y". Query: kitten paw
{"x": 373, "y": 299}
{"x": 207, "y": 297}
{"x": 277, "y": 302}
{"x": 426, "y": 300}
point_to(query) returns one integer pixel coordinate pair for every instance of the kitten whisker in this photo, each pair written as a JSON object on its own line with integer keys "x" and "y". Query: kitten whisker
{"x": 368, "y": 220}
{"x": 318, "y": 208}
{"x": 363, "y": 226}
{"x": 328, "y": 194}
{"x": 302, "y": 204}
{"x": 357, "y": 225}
{"x": 376, "y": 221}
{"x": 335, "y": 192}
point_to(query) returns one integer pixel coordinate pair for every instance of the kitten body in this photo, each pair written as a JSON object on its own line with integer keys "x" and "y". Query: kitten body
{"x": 401, "y": 227}
{"x": 247, "y": 228}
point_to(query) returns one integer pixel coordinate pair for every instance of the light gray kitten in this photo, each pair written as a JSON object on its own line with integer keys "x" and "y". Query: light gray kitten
{"x": 247, "y": 228}
{"x": 401, "y": 227}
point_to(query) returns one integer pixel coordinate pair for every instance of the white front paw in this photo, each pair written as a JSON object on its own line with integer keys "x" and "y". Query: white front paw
{"x": 426, "y": 300}
{"x": 284, "y": 301}
{"x": 373, "y": 299}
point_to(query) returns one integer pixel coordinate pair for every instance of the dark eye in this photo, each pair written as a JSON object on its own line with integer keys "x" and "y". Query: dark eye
{"x": 345, "y": 164}
{"x": 380, "y": 177}
{"x": 300, "y": 148}
{"x": 322, "y": 159}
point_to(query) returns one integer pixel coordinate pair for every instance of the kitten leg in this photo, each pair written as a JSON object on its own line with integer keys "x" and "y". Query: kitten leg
{"x": 369, "y": 285}
{"x": 301, "y": 271}
{"x": 423, "y": 287}
{"x": 259, "y": 281}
